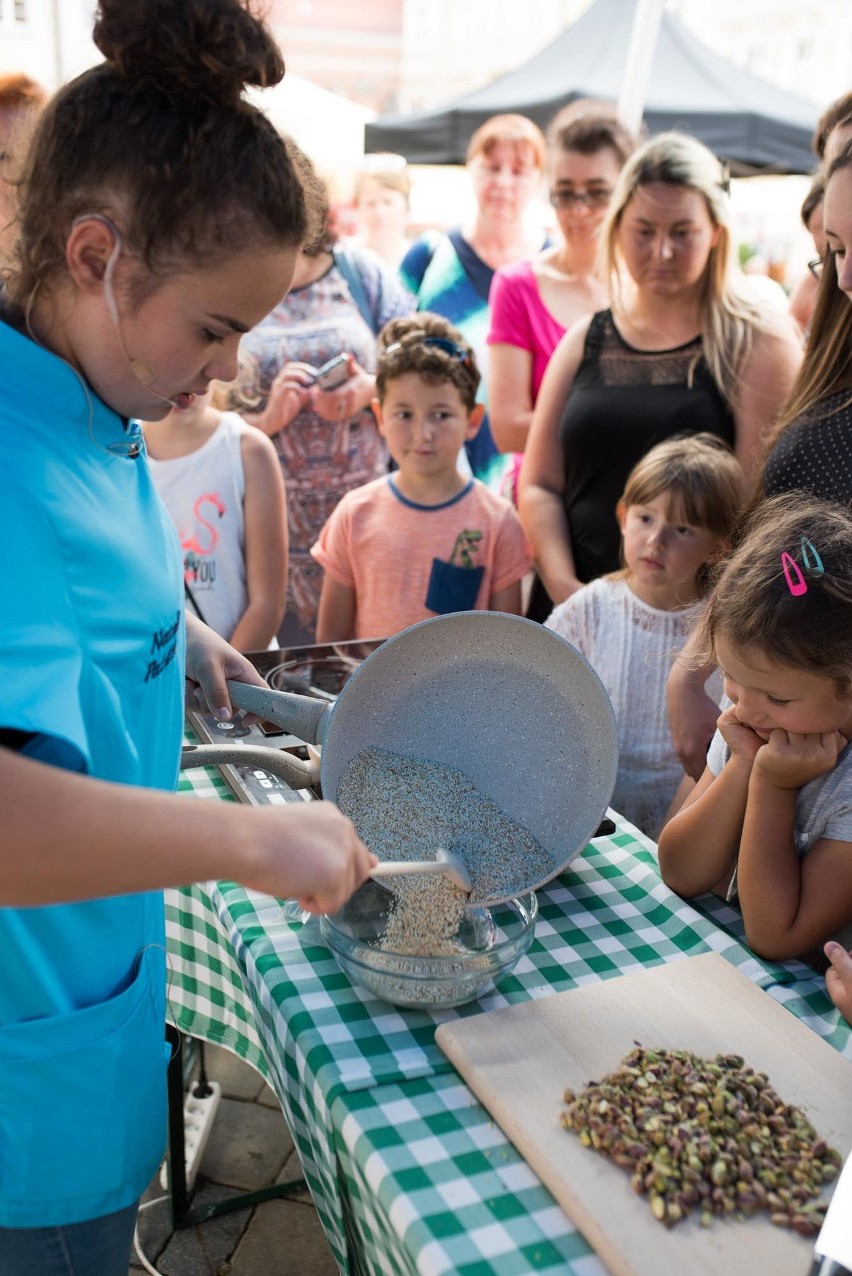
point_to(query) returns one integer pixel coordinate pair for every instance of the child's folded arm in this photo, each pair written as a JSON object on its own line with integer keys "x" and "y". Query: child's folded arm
{"x": 790, "y": 905}
{"x": 698, "y": 847}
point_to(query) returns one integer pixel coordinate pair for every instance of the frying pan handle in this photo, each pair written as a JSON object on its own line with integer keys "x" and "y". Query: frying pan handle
{"x": 298, "y": 774}
{"x": 302, "y": 716}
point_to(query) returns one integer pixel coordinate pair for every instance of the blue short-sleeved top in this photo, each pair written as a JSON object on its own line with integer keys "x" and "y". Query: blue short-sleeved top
{"x": 92, "y": 657}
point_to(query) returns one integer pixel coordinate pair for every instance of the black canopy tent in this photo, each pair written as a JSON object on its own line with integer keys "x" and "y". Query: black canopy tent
{"x": 751, "y": 124}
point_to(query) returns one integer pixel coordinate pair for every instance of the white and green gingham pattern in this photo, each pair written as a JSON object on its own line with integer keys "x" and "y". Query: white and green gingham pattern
{"x": 408, "y": 1172}
{"x": 433, "y": 1186}
{"x": 205, "y": 985}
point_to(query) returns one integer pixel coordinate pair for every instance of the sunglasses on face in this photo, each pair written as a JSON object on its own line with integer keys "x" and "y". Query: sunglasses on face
{"x": 592, "y": 199}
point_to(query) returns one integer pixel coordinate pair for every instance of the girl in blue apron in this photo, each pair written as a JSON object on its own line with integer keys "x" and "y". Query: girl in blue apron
{"x": 159, "y": 218}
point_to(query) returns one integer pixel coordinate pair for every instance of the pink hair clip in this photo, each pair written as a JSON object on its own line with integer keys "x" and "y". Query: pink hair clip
{"x": 812, "y": 563}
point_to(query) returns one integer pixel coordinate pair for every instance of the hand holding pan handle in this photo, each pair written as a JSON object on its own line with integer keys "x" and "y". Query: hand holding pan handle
{"x": 302, "y": 716}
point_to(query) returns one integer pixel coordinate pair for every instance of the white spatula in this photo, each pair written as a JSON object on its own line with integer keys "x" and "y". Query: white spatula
{"x": 445, "y": 862}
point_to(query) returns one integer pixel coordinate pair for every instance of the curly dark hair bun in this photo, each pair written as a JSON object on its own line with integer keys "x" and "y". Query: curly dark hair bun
{"x": 207, "y": 49}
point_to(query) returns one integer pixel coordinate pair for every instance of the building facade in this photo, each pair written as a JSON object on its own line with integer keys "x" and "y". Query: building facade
{"x": 49, "y": 40}
{"x": 804, "y": 48}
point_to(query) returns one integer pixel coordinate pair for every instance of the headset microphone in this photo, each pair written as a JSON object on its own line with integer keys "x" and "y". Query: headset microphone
{"x": 141, "y": 371}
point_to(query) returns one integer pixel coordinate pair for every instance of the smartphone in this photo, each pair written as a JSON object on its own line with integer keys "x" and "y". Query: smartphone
{"x": 334, "y": 373}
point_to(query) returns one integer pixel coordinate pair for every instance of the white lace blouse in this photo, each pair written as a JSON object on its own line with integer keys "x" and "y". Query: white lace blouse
{"x": 631, "y": 647}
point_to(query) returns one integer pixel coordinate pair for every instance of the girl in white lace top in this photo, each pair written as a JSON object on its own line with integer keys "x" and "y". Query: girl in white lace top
{"x": 678, "y": 509}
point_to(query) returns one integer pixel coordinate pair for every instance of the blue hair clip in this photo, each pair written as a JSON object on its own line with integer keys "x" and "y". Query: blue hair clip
{"x": 811, "y": 559}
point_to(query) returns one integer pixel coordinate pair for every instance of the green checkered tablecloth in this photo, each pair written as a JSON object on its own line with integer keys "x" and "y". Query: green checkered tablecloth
{"x": 408, "y": 1172}
{"x": 205, "y": 986}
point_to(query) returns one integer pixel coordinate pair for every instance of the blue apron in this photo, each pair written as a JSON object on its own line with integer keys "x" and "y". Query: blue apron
{"x": 92, "y": 652}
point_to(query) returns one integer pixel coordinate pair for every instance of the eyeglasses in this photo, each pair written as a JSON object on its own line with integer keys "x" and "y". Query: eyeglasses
{"x": 449, "y": 347}
{"x": 592, "y": 199}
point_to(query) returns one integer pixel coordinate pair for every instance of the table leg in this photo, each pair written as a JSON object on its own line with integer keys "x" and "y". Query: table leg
{"x": 180, "y": 1066}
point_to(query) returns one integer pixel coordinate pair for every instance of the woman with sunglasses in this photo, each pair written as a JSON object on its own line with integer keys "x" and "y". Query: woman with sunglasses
{"x": 683, "y": 348}
{"x": 534, "y": 302}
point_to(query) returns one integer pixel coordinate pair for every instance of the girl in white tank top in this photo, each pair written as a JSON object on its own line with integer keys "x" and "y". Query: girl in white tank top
{"x": 220, "y": 481}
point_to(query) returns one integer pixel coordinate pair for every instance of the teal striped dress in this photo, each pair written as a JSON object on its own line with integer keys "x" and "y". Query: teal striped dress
{"x": 448, "y": 278}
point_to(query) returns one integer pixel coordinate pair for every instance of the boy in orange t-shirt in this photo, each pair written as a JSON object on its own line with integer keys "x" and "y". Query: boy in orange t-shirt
{"x": 425, "y": 540}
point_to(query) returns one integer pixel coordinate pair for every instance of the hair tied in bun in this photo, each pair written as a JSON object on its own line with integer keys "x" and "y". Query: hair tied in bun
{"x": 207, "y": 49}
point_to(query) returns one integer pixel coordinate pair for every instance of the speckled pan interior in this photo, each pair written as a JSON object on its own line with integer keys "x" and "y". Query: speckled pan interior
{"x": 511, "y": 704}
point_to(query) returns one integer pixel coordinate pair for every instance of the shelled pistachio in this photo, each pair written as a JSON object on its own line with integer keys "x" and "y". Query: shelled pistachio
{"x": 710, "y": 1135}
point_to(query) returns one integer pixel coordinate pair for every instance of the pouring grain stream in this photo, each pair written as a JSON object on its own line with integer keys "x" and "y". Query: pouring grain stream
{"x": 405, "y": 808}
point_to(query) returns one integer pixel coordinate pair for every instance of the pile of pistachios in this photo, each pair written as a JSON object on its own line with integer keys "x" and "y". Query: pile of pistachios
{"x": 710, "y": 1135}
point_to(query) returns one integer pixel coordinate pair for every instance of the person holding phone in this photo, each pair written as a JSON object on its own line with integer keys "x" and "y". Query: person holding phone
{"x": 307, "y": 381}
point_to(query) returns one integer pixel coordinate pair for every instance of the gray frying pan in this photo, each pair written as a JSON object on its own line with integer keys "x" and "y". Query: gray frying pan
{"x": 507, "y": 702}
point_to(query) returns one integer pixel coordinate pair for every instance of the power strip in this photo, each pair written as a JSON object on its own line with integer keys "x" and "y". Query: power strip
{"x": 198, "y": 1114}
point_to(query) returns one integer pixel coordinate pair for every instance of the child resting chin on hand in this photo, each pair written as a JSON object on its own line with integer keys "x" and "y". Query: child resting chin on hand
{"x": 770, "y": 821}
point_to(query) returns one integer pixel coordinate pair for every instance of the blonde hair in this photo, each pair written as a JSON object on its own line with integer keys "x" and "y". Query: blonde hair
{"x": 702, "y": 479}
{"x": 728, "y": 317}
{"x": 389, "y": 171}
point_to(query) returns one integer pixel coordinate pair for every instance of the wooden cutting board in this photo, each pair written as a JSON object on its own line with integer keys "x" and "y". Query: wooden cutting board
{"x": 519, "y": 1060}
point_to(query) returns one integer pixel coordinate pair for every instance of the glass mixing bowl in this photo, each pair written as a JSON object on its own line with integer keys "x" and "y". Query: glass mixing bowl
{"x": 491, "y": 942}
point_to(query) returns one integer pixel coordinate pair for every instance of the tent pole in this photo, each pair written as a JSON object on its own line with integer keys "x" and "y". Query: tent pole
{"x": 640, "y": 55}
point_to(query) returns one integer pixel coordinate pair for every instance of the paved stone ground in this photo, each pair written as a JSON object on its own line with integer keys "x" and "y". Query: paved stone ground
{"x": 249, "y": 1148}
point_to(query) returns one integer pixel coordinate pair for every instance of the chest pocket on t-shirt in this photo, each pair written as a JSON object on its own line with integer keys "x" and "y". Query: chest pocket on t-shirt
{"x": 454, "y": 585}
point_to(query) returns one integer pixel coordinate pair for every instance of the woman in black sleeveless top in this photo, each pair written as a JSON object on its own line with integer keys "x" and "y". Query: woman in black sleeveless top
{"x": 682, "y": 350}
{"x": 627, "y": 400}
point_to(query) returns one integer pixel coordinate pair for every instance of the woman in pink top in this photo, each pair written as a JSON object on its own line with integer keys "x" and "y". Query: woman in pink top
{"x": 534, "y": 302}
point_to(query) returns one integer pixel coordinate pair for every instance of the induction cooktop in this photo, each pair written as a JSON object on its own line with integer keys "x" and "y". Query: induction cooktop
{"x": 320, "y": 671}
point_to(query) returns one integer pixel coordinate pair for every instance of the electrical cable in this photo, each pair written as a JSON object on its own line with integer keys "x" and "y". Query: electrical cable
{"x": 155, "y": 1271}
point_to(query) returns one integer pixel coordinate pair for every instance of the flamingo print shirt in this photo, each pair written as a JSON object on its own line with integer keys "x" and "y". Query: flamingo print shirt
{"x": 203, "y": 493}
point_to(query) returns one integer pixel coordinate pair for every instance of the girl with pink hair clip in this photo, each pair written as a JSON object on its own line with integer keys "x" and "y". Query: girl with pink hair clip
{"x": 769, "y": 824}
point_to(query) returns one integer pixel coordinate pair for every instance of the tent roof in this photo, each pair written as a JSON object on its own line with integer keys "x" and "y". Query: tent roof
{"x": 742, "y": 119}
{"x": 330, "y": 128}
